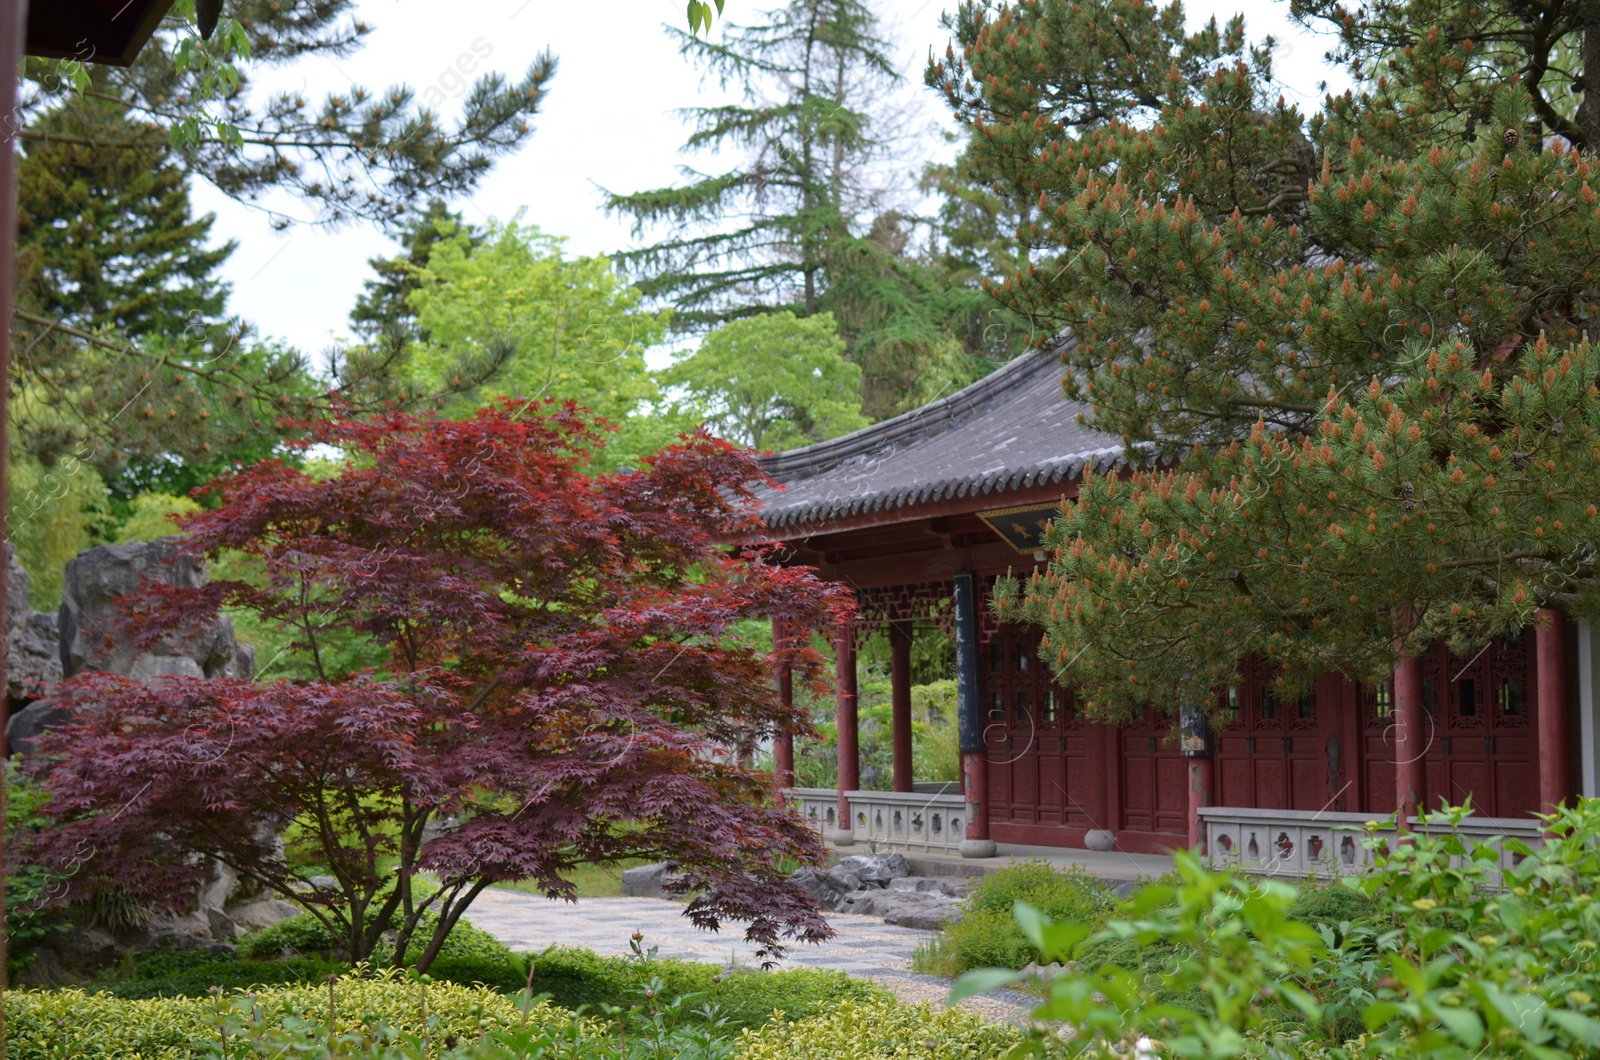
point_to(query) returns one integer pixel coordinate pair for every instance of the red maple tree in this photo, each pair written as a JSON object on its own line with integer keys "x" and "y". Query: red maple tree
{"x": 568, "y": 682}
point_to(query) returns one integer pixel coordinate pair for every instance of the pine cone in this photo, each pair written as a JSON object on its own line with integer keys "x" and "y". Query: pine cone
{"x": 1510, "y": 137}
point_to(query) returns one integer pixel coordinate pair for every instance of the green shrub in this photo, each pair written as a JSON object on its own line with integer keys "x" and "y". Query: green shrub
{"x": 988, "y": 935}
{"x": 48, "y": 1024}
{"x": 468, "y": 955}
{"x": 870, "y": 1030}
{"x": 576, "y": 978}
{"x": 193, "y": 972}
{"x": 1333, "y": 906}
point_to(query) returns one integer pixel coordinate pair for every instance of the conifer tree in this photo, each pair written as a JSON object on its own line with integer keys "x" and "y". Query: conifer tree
{"x": 1364, "y": 333}
{"x": 757, "y": 237}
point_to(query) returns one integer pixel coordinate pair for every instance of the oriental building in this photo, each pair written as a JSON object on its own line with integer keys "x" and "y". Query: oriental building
{"x": 920, "y": 514}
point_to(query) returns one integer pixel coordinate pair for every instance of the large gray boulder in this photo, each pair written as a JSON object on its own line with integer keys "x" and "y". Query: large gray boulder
{"x": 33, "y": 640}
{"x": 651, "y": 881}
{"x": 876, "y": 869}
{"x": 25, "y": 725}
{"x": 923, "y": 910}
{"x": 92, "y": 637}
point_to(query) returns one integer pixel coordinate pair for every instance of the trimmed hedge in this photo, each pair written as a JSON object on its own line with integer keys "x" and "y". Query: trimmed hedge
{"x": 47, "y": 1024}
{"x": 574, "y": 977}
{"x": 880, "y": 1030}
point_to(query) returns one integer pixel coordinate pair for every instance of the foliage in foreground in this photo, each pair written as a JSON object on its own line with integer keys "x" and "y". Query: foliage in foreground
{"x": 1448, "y": 966}
{"x": 565, "y": 683}
{"x": 393, "y": 1016}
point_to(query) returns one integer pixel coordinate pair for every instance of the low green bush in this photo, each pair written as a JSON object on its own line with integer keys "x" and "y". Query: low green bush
{"x": 879, "y": 1030}
{"x": 193, "y": 972}
{"x": 468, "y": 955}
{"x": 746, "y": 998}
{"x": 987, "y": 936}
{"x": 49, "y": 1024}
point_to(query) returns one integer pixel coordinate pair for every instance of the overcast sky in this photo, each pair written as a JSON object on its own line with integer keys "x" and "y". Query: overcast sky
{"x": 608, "y": 121}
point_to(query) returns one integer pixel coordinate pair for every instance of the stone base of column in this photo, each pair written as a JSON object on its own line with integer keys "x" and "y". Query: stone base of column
{"x": 844, "y": 837}
{"x": 1099, "y": 839}
{"x": 977, "y": 848}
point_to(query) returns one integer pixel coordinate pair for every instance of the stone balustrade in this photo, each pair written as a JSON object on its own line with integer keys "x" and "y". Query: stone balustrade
{"x": 891, "y": 820}
{"x": 1306, "y": 843}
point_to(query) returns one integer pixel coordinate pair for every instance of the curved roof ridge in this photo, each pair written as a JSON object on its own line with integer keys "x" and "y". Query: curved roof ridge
{"x": 820, "y": 456}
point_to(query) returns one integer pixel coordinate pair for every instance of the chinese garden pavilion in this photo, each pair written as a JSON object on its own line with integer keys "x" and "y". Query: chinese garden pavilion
{"x": 919, "y": 514}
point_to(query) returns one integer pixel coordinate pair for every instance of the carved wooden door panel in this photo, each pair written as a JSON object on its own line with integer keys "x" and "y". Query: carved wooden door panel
{"x": 1279, "y": 754}
{"x": 1155, "y": 794}
{"x": 1035, "y": 743}
{"x": 1479, "y": 714}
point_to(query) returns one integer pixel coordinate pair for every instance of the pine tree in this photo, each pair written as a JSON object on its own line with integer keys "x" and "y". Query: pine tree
{"x": 1364, "y": 333}
{"x": 109, "y": 247}
{"x": 757, "y": 237}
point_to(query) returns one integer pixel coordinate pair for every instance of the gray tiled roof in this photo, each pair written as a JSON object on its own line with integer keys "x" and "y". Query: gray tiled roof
{"x": 1013, "y": 428}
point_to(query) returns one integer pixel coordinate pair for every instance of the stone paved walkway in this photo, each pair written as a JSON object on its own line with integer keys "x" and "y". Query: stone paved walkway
{"x": 864, "y": 946}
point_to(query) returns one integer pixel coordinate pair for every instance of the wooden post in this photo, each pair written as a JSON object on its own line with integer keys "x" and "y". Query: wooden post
{"x": 849, "y": 737}
{"x": 969, "y": 714}
{"x": 1411, "y": 739}
{"x": 1550, "y": 649}
{"x": 783, "y": 742}
{"x": 13, "y": 31}
{"x": 900, "y": 703}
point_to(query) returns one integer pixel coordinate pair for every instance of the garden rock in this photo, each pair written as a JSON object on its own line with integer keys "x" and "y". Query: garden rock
{"x": 261, "y": 913}
{"x": 914, "y": 909}
{"x": 829, "y": 888}
{"x": 950, "y": 886}
{"x": 876, "y": 869}
{"x": 92, "y": 637}
{"x": 650, "y": 881}
{"x": 26, "y": 724}
{"x": 33, "y": 640}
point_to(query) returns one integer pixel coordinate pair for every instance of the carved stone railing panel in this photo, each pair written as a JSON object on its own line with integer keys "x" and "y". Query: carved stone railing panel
{"x": 1303, "y": 843}
{"x": 890, "y": 820}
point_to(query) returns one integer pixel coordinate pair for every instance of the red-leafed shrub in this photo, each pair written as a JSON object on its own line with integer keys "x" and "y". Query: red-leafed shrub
{"x": 566, "y": 684}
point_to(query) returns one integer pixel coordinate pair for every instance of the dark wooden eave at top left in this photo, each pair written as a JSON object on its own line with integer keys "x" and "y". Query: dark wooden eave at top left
{"x": 110, "y": 32}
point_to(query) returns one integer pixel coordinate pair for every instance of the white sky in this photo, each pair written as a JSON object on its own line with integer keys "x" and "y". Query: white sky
{"x": 608, "y": 121}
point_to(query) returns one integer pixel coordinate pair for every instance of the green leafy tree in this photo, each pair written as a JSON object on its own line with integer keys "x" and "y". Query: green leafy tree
{"x": 383, "y": 312}
{"x": 1364, "y": 333}
{"x": 558, "y": 327}
{"x": 772, "y": 382}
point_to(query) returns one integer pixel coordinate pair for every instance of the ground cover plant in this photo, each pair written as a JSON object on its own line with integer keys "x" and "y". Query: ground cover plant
{"x": 1443, "y": 957}
{"x": 564, "y": 684}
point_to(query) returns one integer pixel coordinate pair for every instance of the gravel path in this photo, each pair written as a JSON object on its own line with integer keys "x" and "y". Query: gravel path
{"x": 865, "y": 947}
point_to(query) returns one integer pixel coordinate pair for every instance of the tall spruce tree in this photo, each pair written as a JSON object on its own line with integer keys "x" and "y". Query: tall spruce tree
{"x": 757, "y": 237}
{"x": 1365, "y": 334}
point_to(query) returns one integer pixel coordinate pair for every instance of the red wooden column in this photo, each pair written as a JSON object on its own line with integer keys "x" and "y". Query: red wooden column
{"x": 1550, "y": 658}
{"x": 1411, "y": 738}
{"x": 783, "y": 743}
{"x": 900, "y": 702}
{"x": 1201, "y": 780}
{"x": 844, "y": 647}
